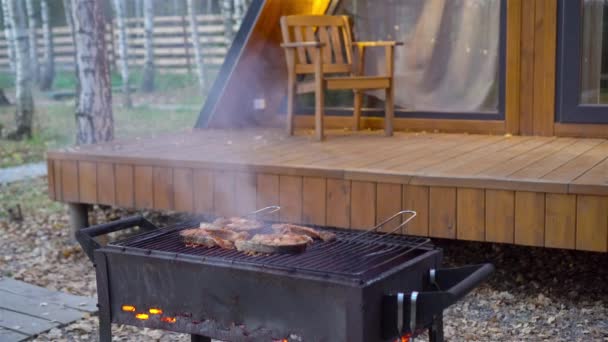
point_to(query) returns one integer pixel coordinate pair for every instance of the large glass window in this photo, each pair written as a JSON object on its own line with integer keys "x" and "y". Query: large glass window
{"x": 583, "y": 61}
{"x": 451, "y": 64}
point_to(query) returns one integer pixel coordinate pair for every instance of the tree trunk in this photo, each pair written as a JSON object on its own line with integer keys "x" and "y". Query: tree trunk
{"x": 3, "y": 101}
{"x": 69, "y": 19}
{"x": 94, "y": 119}
{"x": 227, "y": 10}
{"x": 23, "y": 80}
{"x": 48, "y": 69}
{"x": 240, "y": 7}
{"x": 33, "y": 40}
{"x": 147, "y": 82}
{"x": 123, "y": 52}
{"x": 8, "y": 35}
{"x": 198, "y": 51}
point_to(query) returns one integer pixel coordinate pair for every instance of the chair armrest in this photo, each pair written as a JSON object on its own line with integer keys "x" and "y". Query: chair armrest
{"x": 377, "y": 44}
{"x": 302, "y": 45}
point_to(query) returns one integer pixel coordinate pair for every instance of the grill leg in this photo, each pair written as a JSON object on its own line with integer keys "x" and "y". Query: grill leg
{"x": 79, "y": 217}
{"x": 105, "y": 329}
{"x": 436, "y": 330}
{"x": 198, "y": 338}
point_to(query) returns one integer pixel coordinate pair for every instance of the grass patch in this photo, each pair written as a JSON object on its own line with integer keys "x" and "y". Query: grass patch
{"x": 55, "y": 126}
{"x": 30, "y": 194}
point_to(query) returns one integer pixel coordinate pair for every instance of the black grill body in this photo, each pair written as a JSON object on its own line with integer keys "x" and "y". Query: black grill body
{"x": 262, "y": 298}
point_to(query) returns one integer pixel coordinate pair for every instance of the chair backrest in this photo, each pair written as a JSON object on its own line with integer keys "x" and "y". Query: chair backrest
{"x": 333, "y": 31}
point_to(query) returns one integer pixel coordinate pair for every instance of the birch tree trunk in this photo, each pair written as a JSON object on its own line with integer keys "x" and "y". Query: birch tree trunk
{"x": 33, "y": 40}
{"x": 147, "y": 82}
{"x": 23, "y": 78}
{"x": 69, "y": 19}
{"x": 239, "y": 11}
{"x": 8, "y": 35}
{"x": 227, "y": 11}
{"x": 198, "y": 51}
{"x": 48, "y": 68}
{"x": 123, "y": 52}
{"x": 94, "y": 119}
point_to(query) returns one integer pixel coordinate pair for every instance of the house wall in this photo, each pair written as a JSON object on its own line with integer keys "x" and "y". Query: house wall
{"x": 530, "y": 78}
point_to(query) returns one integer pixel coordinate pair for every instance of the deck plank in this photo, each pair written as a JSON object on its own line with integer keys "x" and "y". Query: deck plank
{"x": 416, "y": 198}
{"x": 163, "y": 188}
{"x": 24, "y": 324}
{"x": 553, "y": 161}
{"x": 246, "y": 187}
{"x": 314, "y": 197}
{"x": 125, "y": 185}
{"x": 144, "y": 186}
{"x": 579, "y": 165}
{"x": 183, "y": 193}
{"x": 442, "y": 212}
{"x": 87, "y": 182}
{"x": 471, "y": 210}
{"x": 560, "y": 221}
{"x": 363, "y": 205}
{"x": 31, "y": 291}
{"x": 290, "y": 199}
{"x": 106, "y": 184}
{"x": 500, "y": 216}
{"x": 592, "y": 223}
{"x": 203, "y": 191}
{"x": 268, "y": 193}
{"x": 530, "y": 218}
{"x": 388, "y": 202}
{"x": 33, "y": 307}
{"x": 338, "y": 203}
{"x": 11, "y": 336}
{"x": 527, "y": 159}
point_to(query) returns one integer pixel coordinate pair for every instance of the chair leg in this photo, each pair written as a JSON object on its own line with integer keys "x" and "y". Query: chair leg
{"x": 291, "y": 94}
{"x": 389, "y": 111}
{"x": 319, "y": 110}
{"x": 358, "y": 103}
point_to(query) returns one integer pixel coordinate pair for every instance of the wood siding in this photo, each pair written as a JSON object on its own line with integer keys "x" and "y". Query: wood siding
{"x": 533, "y": 218}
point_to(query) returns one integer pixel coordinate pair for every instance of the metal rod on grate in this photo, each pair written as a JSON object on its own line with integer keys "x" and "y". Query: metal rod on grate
{"x": 385, "y": 222}
{"x": 268, "y": 210}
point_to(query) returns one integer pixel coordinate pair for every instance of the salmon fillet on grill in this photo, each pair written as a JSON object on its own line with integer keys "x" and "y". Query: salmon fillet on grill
{"x": 274, "y": 243}
{"x": 283, "y": 228}
{"x": 213, "y": 237}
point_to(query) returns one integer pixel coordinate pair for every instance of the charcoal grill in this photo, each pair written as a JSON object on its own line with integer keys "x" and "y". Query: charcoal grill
{"x": 368, "y": 286}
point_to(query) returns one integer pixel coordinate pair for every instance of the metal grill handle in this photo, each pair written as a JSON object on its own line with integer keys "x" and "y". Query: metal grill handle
{"x": 387, "y": 221}
{"x": 268, "y": 210}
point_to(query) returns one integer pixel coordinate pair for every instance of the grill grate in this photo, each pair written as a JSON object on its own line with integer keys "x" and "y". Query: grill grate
{"x": 351, "y": 256}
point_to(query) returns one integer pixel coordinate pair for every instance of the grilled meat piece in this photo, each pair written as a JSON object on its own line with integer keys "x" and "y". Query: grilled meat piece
{"x": 274, "y": 243}
{"x": 213, "y": 237}
{"x": 284, "y": 228}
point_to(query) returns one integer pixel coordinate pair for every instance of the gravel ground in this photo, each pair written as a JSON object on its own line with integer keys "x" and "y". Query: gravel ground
{"x": 535, "y": 295}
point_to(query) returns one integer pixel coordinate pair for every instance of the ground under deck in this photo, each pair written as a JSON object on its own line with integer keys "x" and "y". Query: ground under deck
{"x": 537, "y": 191}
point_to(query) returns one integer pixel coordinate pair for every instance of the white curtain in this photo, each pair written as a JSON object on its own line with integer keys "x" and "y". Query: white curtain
{"x": 450, "y": 59}
{"x": 591, "y": 66}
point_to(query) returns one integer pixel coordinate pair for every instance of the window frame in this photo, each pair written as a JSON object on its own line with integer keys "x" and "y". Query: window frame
{"x": 569, "y": 62}
{"x": 499, "y": 114}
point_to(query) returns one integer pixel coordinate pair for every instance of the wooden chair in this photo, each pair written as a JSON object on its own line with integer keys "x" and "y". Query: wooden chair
{"x": 322, "y": 45}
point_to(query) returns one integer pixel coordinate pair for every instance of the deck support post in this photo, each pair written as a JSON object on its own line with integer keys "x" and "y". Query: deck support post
{"x": 79, "y": 217}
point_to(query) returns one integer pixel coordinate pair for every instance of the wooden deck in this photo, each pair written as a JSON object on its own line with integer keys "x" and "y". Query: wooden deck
{"x": 538, "y": 191}
{"x": 27, "y": 310}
